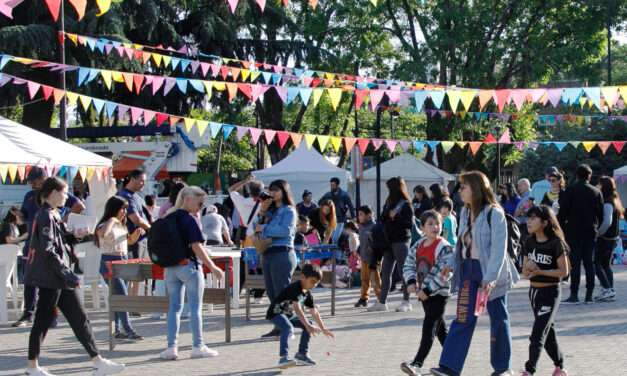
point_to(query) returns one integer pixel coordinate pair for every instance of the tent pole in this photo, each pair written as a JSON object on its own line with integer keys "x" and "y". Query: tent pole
{"x": 378, "y": 161}
{"x": 356, "y": 135}
{"x": 62, "y": 109}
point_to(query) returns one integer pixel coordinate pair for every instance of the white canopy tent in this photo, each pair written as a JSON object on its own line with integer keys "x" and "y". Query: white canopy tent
{"x": 305, "y": 169}
{"x": 620, "y": 175}
{"x": 21, "y": 145}
{"x": 415, "y": 171}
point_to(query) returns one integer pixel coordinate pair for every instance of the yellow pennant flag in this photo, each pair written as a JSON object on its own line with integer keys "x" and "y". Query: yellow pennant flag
{"x": 454, "y": 96}
{"x": 336, "y": 142}
{"x": 467, "y": 97}
{"x": 588, "y": 145}
{"x": 12, "y": 172}
{"x": 90, "y": 172}
{"x": 104, "y": 6}
{"x": 610, "y": 94}
{"x": 219, "y": 86}
{"x": 188, "y": 124}
{"x": 71, "y": 98}
{"x": 4, "y": 169}
{"x": 72, "y": 37}
{"x": 623, "y": 92}
{"x": 106, "y": 78}
{"x": 85, "y": 101}
{"x": 447, "y": 145}
{"x": 166, "y": 60}
{"x": 157, "y": 58}
{"x": 254, "y": 75}
{"x": 461, "y": 144}
{"x": 329, "y": 76}
{"x": 202, "y": 126}
{"x": 317, "y": 93}
{"x": 117, "y": 76}
{"x": 374, "y": 2}
{"x": 208, "y": 88}
{"x": 83, "y": 172}
{"x": 245, "y": 73}
{"x": 582, "y": 101}
{"x": 336, "y": 96}
{"x": 309, "y": 140}
{"x": 322, "y": 142}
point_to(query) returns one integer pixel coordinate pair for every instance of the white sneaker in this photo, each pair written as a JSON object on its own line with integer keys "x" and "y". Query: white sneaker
{"x": 203, "y": 352}
{"x": 107, "y": 367}
{"x": 171, "y": 353}
{"x": 258, "y": 301}
{"x": 378, "y": 307}
{"x": 404, "y": 307}
{"x": 39, "y": 371}
{"x": 606, "y": 295}
{"x": 157, "y": 316}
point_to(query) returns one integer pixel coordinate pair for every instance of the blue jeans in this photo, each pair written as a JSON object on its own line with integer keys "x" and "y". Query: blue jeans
{"x": 286, "y": 327}
{"x": 278, "y": 265}
{"x": 179, "y": 279}
{"x": 460, "y": 334}
{"x": 119, "y": 288}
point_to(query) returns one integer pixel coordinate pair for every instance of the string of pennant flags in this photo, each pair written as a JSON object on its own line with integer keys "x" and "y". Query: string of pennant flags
{"x": 54, "y": 7}
{"x": 18, "y": 172}
{"x": 459, "y": 101}
{"x": 201, "y": 132}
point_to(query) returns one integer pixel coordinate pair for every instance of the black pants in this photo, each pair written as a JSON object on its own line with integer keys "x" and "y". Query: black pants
{"x": 581, "y": 250}
{"x": 603, "y": 261}
{"x": 69, "y": 303}
{"x": 433, "y": 325}
{"x": 544, "y": 303}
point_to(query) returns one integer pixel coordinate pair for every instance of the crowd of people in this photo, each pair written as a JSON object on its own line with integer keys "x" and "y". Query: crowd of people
{"x": 434, "y": 243}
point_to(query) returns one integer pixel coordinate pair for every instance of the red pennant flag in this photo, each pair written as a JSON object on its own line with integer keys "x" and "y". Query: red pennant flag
{"x": 505, "y": 138}
{"x": 79, "y": 6}
{"x": 349, "y": 143}
{"x": 474, "y": 146}
{"x": 490, "y": 139}
{"x": 161, "y": 117}
{"x": 618, "y": 145}
{"x": 502, "y": 97}
{"x": 282, "y": 137}
{"x": 246, "y": 89}
{"x": 138, "y": 80}
{"x": 359, "y": 98}
{"x": 47, "y": 91}
{"x": 224, "y": 72}
{"x": 54, "y": 6}
{"x": 363, "y": 145}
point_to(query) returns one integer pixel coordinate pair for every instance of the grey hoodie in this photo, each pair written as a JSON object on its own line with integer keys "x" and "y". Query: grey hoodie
{"x": 365, "y": 250}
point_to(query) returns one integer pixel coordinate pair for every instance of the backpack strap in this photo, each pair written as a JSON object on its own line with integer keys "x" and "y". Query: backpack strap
{"x": 252, "y": 214}
{"x": 490, "y": 217}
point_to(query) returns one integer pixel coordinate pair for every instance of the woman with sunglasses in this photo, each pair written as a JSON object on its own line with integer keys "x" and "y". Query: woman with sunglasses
{"x": 546, "y": 264}
{"x": 551, "y": 198}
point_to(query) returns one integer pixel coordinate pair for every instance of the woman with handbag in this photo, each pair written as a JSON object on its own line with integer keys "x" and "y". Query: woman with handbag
{"x": 47, "y": 269}
{"x": 277, "y": 230}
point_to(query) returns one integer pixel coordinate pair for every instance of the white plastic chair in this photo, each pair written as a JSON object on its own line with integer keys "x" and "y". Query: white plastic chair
{"x": 89, "y": 256}
{"x": 8, "y": 279}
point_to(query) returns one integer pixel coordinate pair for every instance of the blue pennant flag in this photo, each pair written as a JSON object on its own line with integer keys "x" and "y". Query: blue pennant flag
{"x": 215, "y": 128}
{"x": 181, "y": 83}
{"x": 433, "y": 144}
{"x": 226, "y": 131}
{"x": 419, "y": 146}
{"x": 110, "y": 107}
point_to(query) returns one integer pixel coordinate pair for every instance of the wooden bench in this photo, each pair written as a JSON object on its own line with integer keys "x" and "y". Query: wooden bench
{"x": 160, "y": 304}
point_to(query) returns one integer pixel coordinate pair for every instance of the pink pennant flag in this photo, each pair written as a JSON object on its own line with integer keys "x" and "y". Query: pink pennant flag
{"x": 241, "y": 132}
{"x": 233, "y": 5}
{"x": 377, "y": 143}
{"x": 6, "y": 7}
{"x": 555, "y": 95}
{"x": 502, "y": 97}
{"x": 375, "y": 98}
{"x": 505, "y": 138}
{"x": 148, "y": 116}
{"x": 519, "y": 96}
{"x": 262, "y": 5}
{"x": 393, "y": 95}
{"x": 135, "y": 114}
{"x": 204, "y": 68}
{"x": 282, "y": 92}
{"x": 391, "y": 144}
{"x": 33, "y": 88}
{"x": 255, "y": 133}
{"x": 536, "y": 94}
{"x": 269, "y": 135}
{"x": 282, "y": 137}
{"x": 363, "y": 145}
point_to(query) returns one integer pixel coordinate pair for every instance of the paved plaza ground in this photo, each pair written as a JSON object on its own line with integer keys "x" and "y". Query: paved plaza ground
{"x": 593, "y": 338}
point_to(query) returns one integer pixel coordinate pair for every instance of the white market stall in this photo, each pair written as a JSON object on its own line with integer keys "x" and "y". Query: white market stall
{"x": 620, "y": 175}
{"x": 415, "y": 171}
{"x": 305, "y": 168}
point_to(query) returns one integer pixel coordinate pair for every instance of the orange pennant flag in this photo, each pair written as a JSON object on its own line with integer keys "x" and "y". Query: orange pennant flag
{"x": 474, "y": 146}
{"x": 484, "y": 97}
{"x": 79, "y": 6}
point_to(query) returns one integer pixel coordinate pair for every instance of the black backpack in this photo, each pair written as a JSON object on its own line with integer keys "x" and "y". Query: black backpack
{"x": 165, "y": 243}
{"x": 379, "y": 241}
{"x": 514, "y": 238}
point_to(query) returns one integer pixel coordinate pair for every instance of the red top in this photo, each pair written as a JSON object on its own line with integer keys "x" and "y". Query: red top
{"x": 425, "y": 258}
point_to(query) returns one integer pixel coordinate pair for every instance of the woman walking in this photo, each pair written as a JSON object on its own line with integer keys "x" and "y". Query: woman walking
{"x": 46, "y": 269}
{"x": 608, "y": 239}
{"x": 398, "y": 220}
{"x": 551, "y": 198}
{"x": 113, "y": 239}
{"x": 188, "y": 275}
{"x": 482, "y": 266}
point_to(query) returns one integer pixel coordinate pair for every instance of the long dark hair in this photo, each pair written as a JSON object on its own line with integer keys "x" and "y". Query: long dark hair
{"x": 438, "y": 192}
{"x": 610, "y": 194}
{"x": 510, "y": 192}
{"x": 50, "y": 185}
{"x": 398, "y": 191}
{"x": 482, "y": 194}
{"x": 553, "y": 229}
{"x": 12, "y": 215}
{"x": 112, "y": 207}
{"x": 287, "y": 192}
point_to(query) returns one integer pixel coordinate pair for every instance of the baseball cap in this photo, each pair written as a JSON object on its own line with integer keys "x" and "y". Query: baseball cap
{"x": 306, "y": 193}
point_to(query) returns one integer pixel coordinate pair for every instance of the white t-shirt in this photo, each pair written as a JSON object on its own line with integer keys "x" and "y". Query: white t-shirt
{"x": 213, "y": 226}
{"x": 244, "y": 207}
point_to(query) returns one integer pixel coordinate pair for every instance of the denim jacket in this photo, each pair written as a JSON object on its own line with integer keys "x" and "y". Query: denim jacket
{"x": 281, "y": 226}
{"x": 491, "y": 239}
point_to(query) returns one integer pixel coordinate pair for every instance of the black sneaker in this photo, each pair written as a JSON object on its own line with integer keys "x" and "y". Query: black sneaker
{"x": 134, "y": 336}
{"x": 361, "y": 303}
{"x": 443, "y": 371}
{"x": 22, "y": 322}
{"x": 135, "y": 314}
{"x": 304, "y": 360}
{"x": 120, "y": 335}
{"x": 589, "y": 299}
{"x": 274, "y": 333}
{"x": 571, "y": 300}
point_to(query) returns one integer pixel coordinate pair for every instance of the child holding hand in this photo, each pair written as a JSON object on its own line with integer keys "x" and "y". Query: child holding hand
{"x": 427, "y": 272}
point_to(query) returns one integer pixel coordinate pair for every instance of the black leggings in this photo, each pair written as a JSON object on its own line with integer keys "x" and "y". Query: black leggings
{"x": 69, "y": 303}
{"x": 433, "y": 325}
{"x": 544, "y": 302}
{"x": 603, "y": 262}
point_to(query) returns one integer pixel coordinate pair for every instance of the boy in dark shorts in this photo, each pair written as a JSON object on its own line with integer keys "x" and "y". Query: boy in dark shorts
{"x": 286, "y": 312}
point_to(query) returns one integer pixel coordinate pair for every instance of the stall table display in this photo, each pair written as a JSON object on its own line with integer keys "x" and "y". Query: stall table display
{"x": 141, "y": 270}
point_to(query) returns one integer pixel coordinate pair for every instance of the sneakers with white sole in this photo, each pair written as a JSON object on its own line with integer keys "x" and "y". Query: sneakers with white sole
{"x": 378, "y": 307}
{"x": 171, "y": 353}
{"x": 404, "y": 307}
{"x": 107, "y": 367}
{"x": 411, "y": 369}
{"x": 203, "y": 352}
{"x": 39, "y": 371}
